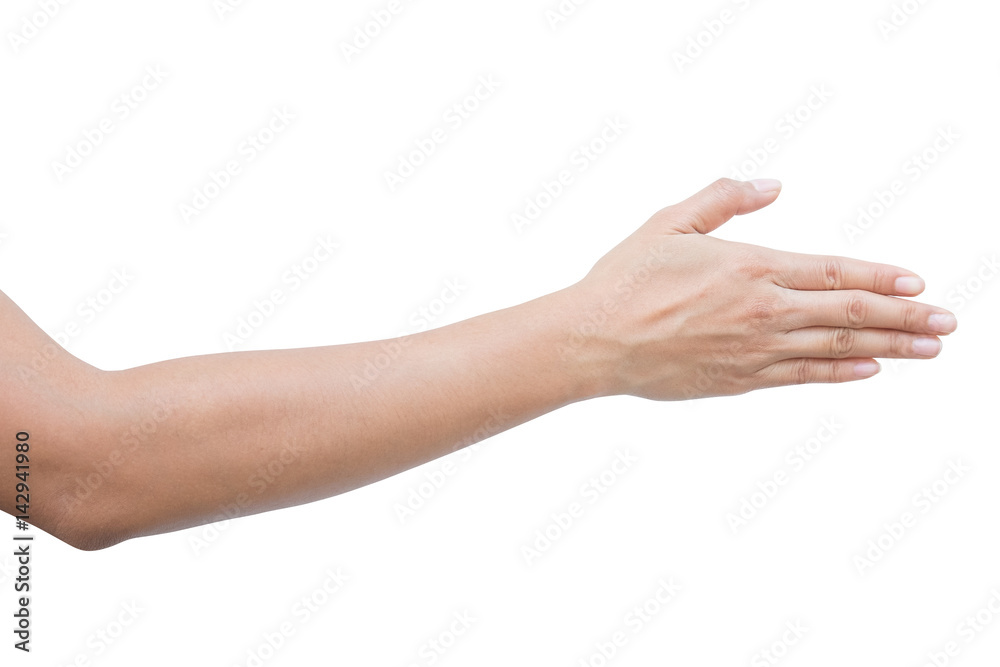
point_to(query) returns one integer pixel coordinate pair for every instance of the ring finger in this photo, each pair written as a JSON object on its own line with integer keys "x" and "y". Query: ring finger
{"x": 845, "y": 342}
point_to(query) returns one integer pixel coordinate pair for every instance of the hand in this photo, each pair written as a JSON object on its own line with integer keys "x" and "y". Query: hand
{"x": 676, "y": 314}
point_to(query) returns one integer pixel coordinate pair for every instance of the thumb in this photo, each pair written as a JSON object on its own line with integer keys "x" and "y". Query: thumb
{"x": 720, "y": 201}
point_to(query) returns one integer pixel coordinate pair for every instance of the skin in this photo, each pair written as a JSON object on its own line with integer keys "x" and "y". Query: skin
{"x": 669, "y": 314}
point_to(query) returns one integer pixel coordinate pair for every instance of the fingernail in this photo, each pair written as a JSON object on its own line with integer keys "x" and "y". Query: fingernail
{"x": 909, "y": 285}
{"x": 927, "y": 347}
{"x": 766, "y": 184}
{"x": 866, "y": 369}
{"x": 943, "y": 322}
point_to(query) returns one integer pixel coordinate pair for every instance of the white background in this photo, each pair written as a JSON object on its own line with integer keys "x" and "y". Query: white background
{"x": 462, "y": 552}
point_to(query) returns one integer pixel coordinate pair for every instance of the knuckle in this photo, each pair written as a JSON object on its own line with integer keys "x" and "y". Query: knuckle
{"x": 754, "y": 266}
{"x": 911, "y": 316}
{"x": 761, "y": 310}
{"x": 727, "y": 186}
{"x": 758, "y": 348}
{"x": 843, "y": 342}
{"x": 833, "y": 273}
{"x": 767, "y": 345}
{"x": 671, "y": 212}
{"x": 898, "y": 345}
{"x": 725, "y": 190}
{"x": 881, "y": 280}
{"x": 803, "y": 371}
{"x": 857, "y": 310}
{"x": 677, "y": 214}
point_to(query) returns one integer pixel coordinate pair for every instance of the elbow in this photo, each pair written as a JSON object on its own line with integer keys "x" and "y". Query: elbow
{"x": 85, "y": 536}
{"x": 74, "y": 475}
{"x": 79, "y": 472}
{"x": 86, "y": 510}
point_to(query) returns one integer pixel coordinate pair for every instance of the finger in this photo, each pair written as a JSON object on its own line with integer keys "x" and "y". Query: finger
{"x": 824, "y": 272}
{"x": 846, "y": 343}
{"x": 709, "y": 209}
{"x": 809, "y": 371}
{"x": 857, "y": 309}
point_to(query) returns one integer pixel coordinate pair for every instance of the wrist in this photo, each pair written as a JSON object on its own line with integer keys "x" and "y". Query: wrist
{"x": 587, "y": 353}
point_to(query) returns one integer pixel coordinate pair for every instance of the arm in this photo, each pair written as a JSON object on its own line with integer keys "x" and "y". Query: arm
{"x": 668, "y": 314}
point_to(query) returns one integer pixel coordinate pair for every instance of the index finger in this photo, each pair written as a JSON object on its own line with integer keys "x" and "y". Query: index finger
{"x": 827, "y": 272}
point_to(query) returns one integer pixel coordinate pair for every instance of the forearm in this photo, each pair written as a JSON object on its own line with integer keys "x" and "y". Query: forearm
{"x": 271, "y": 429}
